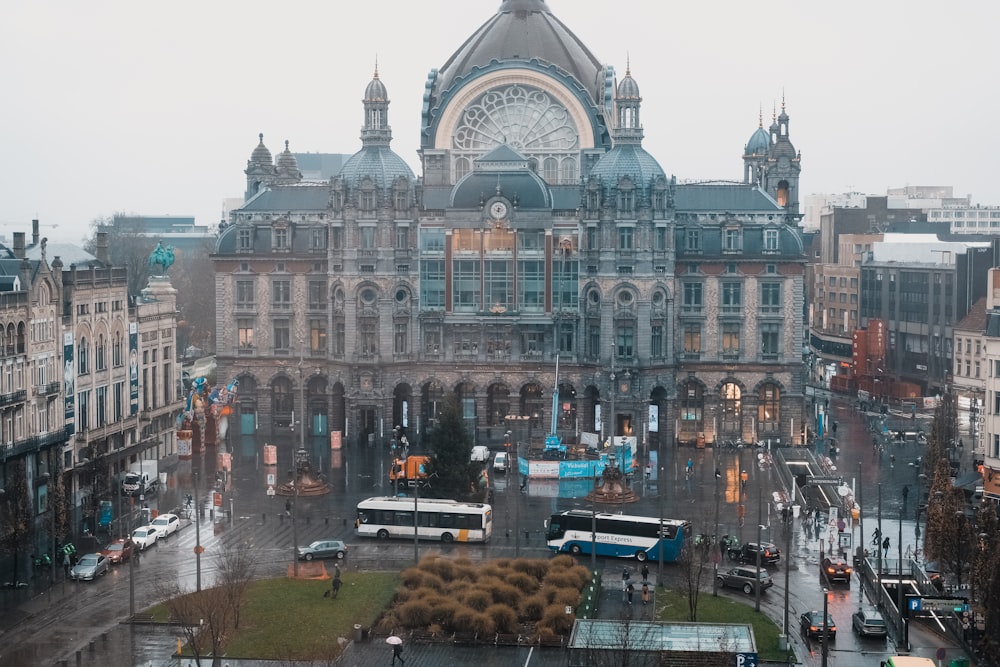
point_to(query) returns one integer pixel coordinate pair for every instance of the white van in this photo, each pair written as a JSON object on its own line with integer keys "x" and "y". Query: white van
{"x": 480, "y": 454}
{"x": 500, "y": 462}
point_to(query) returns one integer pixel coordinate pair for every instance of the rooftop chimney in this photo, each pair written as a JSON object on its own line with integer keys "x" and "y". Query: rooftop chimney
{"x": 34, "y": 232}
{"x": 19, "y": 245}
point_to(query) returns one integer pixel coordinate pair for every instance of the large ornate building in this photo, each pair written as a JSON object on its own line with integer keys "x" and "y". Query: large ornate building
{"x": 539, "y": 229}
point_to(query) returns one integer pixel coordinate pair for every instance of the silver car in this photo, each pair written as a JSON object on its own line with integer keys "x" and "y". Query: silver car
{"x": 747, "y": 578}
{"x": 90, "y": 567}
{"x": 869, "y": 623}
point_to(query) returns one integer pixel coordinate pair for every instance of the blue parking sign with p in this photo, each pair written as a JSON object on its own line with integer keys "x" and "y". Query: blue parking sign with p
{"x": 746, "y": 660}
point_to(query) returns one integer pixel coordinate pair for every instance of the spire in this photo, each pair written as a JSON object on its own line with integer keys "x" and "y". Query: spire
{"x": 627, "y": 129}
{"x": 376, "y": 131}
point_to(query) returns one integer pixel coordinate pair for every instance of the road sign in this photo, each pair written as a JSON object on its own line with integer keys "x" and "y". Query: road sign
{"x": 270, "y": 490}
{"x": 217, "y": 499}
{"x": 825, "y": 480}
{"x": 199, "y": 549}
{"x": 940, "y": 654}
{"x": 957, "y": 605}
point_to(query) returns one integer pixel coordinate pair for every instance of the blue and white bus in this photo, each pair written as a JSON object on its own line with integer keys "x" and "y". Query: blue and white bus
{"x": 621, "y": 535}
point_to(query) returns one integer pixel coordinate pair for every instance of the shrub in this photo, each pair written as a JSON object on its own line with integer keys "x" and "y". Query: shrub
{"x": 492, "y": 571}
{"x": 477, "y": 599}
{"x": 533, "y": 607}
{"x": 435, "y": 629}
{"x": 556, "y": 619}
{"x": 523, "y": 582}
{"x": 464, "y": 573}
{"x": 468, "y": 620}
{"x": 443, "y": 612}
{"x": 582, "y": 574}
{"x": 442, "y": 567}
{"x": 562, "y": 562}
{"x": 561, "y": 580}
{"x": 414, "y": 578}
{"x": 505, "y": 594}
{"x": 566, "y": 597}
{"x": 533, "y": 567}
{"x": 414, "y": 614}
{"x": 504, "y": 618}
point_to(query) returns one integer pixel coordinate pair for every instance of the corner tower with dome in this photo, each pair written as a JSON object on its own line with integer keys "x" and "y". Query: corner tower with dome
{"x": 539, "y": 227}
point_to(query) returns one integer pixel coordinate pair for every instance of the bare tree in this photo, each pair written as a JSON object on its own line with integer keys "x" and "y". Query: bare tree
{"x": 193, "y": 276}
{"x": 693, "y": 560}
{"x": 15, "y": 514}
{"x": 205, "y": 618}
{"x": 237, "y": 566}
{"x": 128, "y": 246}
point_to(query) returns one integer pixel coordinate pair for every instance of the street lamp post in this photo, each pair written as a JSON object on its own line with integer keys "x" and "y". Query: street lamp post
{"x": 716, "y": 554}
{"x": 826, "y": 628}
{"x": 293, "y": 480}
{"x": 197, "y": 536}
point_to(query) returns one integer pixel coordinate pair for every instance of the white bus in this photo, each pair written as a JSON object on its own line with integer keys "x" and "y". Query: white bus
{"x": 621, "y": 535}
{"x": 444, "y": 520}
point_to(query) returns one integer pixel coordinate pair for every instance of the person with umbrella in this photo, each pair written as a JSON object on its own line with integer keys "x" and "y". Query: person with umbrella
{"x": 397, "y": 648}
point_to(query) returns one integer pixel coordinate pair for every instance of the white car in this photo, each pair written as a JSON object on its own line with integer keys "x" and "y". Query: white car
{"x": 480, "y": 454}
{"x": 500, "y": 462}
{"x": 166, "y": 525}
{"x": 144, "y": 537}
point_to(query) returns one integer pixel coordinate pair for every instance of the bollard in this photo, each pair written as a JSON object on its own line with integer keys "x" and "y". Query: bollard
{"x": 308, "y": 518}
{"x": 508, "y": 533}
{"x": 211, "y": 515}
{"x": 326, "y": 521}
{"x": 281, "y": 518}
{"x": 263, "y": 517}
{"x": 526, "y": 535}
{"x": 79, "y": 658}
{"x": 345, "y": 522}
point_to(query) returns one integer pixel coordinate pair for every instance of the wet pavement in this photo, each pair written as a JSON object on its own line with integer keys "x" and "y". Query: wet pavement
{"x": 82, "y": 623}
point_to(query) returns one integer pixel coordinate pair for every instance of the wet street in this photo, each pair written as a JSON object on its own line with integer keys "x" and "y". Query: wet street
{"x": 44, "y": 625}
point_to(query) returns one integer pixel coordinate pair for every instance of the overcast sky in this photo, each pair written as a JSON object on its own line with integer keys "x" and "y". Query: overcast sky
{"x": 154, "y": 108}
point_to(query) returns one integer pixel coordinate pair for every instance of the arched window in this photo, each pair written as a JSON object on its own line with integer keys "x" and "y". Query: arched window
{"x": 497, "y": 404}
{"x": 769, "y": 409}
{"x": 568, "y": 166}
{"x": 461, "y": 168}
{"x": 83, "y": 362}
{"x": 731, "y": 406}
{"x": 692, "y": 400}
{"x": 116, "y": 350}
{"x": 551, "y": 170}
{"x": 101, "y": 353}
{"x": 281, "y": 398}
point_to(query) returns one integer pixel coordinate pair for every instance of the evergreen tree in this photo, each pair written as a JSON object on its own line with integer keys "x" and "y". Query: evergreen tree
{"x": 451, "y": 474}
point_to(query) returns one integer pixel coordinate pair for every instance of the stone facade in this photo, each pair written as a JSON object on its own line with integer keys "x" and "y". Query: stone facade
{"x": 540, "y": 230}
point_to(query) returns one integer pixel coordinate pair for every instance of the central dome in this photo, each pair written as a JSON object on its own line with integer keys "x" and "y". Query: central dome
{"x": 524, "y": 30}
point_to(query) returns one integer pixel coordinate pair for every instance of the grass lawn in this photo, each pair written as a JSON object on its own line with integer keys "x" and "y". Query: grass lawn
{"x": 287, "y": 619}
{"x": 674, "y": 607}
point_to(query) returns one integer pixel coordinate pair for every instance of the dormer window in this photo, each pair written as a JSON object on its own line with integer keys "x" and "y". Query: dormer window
{"x": 770, "y": 240}
{"x": 732, "y": 239}
{"x": 280, "y": 239}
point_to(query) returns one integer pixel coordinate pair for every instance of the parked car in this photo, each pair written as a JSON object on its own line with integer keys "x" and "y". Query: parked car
{"x": 166, "y": 525}
{"x": 747, "y": 578}
{"x": 747, "y": 553}
{"x": 812, "y": 625}
{"x": 89, "y": 567}
{"x": 119, "y": 550}
{"x": 480, "y": 454}
{"x": 868, "y": 623}
{"x": 323, "y": 549}
{"x": 144, "y": 537}
{"x": 836, "y": 569}
{"x": 500, "y": 462}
